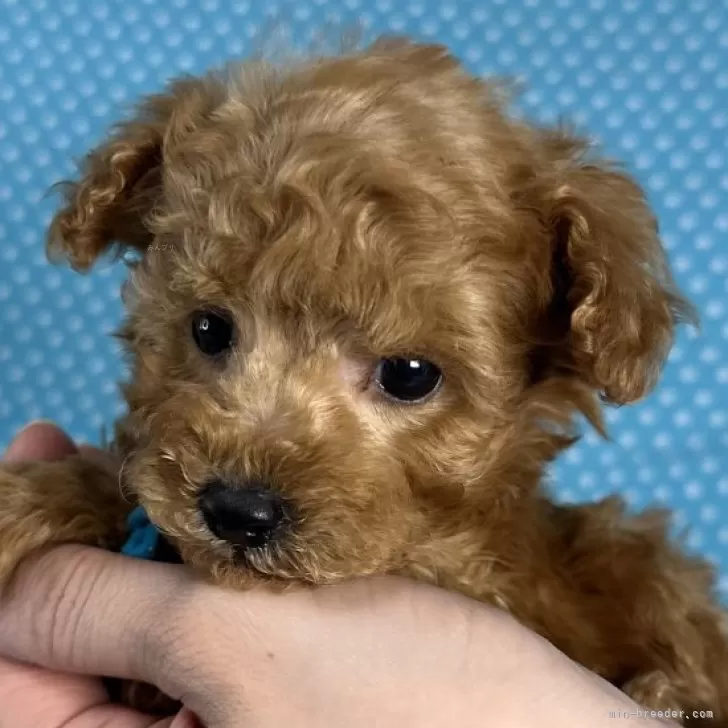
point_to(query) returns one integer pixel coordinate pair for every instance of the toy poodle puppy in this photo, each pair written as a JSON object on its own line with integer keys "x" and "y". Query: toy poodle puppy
{"x": 364, "y": 308}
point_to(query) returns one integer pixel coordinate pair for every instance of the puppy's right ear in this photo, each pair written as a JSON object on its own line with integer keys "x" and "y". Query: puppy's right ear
{"x": 121, "y": 180}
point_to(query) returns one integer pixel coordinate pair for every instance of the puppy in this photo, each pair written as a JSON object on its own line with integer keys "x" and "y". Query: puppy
{"x": 366, "y": 307}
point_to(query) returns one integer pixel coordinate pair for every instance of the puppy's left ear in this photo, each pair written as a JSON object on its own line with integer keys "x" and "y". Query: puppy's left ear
{"x": 610, "y": 278}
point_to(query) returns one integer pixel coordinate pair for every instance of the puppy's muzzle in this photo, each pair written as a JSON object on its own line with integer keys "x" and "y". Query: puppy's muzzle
{"x": 246, "y": 515}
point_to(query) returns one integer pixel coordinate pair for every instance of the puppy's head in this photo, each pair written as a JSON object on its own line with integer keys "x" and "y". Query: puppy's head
{"x": 366, "y": 306}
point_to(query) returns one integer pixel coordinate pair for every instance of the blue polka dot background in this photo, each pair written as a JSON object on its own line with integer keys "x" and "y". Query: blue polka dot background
{"x": 647, "y": 78}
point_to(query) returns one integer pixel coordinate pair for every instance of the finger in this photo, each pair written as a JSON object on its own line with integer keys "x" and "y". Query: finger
{"x": 27, "y": 693}
{"x": 185, "y": 719}
{"x": 87, "y": 611}
{"x": 44, "y": 441}
{"x": 114, "y": 716}
{"x": 32, "y": 697}
{"x": 40, "y": 441}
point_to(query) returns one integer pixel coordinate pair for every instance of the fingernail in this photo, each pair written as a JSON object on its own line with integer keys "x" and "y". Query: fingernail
{"x": 9, "y": 453}
{"x": 33, "y": 423}
{"x": 50, "y": 444}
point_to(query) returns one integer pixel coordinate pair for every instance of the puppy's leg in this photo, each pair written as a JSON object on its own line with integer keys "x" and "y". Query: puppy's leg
{"x": 75, "y": 500}
{"x": 654, "y": 625}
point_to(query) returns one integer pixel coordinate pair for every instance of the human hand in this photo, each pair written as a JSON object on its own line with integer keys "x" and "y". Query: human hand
{"x": 374, "y": 652}
{"x": 34, "y": 697}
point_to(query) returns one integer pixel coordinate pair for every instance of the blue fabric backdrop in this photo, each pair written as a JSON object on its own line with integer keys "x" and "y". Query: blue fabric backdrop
{"x": 649, "y": 78}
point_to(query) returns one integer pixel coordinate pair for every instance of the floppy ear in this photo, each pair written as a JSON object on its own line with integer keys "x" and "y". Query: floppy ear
{"x": 121, "y": 180}
{"x": 610, "y": 279}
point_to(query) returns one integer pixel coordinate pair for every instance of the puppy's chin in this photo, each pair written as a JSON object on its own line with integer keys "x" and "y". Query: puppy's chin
{"x": 275, "y": 565}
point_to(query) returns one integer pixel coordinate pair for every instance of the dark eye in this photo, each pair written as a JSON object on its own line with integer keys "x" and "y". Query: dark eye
{"x": 407, "y": 380}
{"x": 213, "y": 332}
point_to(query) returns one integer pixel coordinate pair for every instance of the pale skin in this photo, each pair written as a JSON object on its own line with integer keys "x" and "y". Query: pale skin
{"x": 372, "y": 653}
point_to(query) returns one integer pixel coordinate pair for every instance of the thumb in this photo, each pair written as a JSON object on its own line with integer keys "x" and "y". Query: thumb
{"x": 40, "y": 440}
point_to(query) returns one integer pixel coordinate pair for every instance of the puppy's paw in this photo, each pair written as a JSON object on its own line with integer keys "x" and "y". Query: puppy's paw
{"x": 75, "y": 500}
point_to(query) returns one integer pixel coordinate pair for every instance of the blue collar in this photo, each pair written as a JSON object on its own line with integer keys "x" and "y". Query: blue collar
{"x": 143, "y": 539}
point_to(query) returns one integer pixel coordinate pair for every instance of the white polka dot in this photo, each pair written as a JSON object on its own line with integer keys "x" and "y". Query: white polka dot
{"x": 682, "y": 418}
{"x": 693, "y": 490}
{"x": 695, "y": 540}
{"x": 573, "y": 456}
{"x": 587, "y": 481}
{"x": 662, "y": 441}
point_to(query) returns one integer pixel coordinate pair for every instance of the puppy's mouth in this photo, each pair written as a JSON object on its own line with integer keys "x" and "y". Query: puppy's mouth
{"x": 271, "y": 560}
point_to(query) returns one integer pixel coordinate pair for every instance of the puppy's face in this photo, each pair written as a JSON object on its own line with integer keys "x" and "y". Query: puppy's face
{"x": 366, "y": 305}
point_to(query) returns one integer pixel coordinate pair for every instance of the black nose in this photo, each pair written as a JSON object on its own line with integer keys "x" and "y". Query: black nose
{"x": 245, "y": 514}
